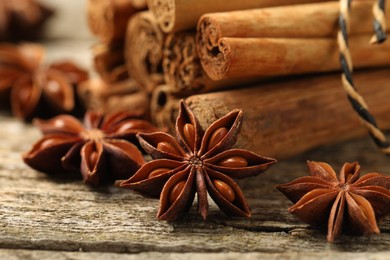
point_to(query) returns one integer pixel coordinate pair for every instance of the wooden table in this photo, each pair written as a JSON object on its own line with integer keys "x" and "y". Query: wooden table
{"x": 54, "y": 217}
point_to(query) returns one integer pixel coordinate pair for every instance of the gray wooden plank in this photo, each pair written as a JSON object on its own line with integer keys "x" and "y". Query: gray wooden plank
{"x": 52, "y": 213}
{"x": 49, "y": 255}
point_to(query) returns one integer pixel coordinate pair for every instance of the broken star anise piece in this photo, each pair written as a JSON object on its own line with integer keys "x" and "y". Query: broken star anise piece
{"x": 197, "y": 162}
{"x": 345, "y": 202}
{"x": 100, "y": 148}
{"x": 35, "y": 89}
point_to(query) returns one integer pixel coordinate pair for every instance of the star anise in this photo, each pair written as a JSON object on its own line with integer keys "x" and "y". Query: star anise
{"x": 197, "y": 162}
{"x": 22, "y": 19}
{"x": 38, "y": 90}
{"x": 347, "y": 201}
{"x": 100, "y": 149}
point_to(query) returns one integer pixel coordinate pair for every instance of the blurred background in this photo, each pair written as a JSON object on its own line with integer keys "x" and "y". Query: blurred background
{"x": 67, "y": 35}
{"x": 69, "y": 20}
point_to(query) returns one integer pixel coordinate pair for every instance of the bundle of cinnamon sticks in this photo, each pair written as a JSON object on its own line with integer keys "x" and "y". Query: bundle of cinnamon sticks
{"x": 112, "y": 89}
{"x": 276, "y": 60}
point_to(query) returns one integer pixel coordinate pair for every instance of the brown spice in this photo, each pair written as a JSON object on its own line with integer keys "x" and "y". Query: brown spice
{"x": 109, "y": 63}
{"x": 345, "y": 202}
{"x": 197, "y": 162}
{"x": 100, "y": 149}
{"x": 37, "y": 90}
{"x": 22, "y": 19}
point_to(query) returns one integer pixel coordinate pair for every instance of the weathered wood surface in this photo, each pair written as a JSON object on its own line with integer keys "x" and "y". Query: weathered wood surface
{"x": 43, "y": 255}
{"x": 44, "y": 217}
{"x": 59, "y": 214}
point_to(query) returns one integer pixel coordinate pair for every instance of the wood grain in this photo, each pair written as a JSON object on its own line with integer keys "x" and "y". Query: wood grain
{"x": 43, "y": 255}
{"x": 43, "y": 217}
{"x": 61, "y": 214}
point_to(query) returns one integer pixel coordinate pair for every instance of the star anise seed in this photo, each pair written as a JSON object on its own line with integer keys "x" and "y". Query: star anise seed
{"x": 345, "y": 202}
{"x": 100, "y": 149}
{"x": 197, "y": 162}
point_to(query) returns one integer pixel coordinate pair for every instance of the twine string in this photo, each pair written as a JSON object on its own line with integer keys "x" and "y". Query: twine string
{"x": 356, "y": 100}
{"x": 379, "y": 23}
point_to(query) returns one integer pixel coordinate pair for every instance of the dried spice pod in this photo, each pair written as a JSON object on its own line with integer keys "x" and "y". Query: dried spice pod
{"x": 100, "y": 149}
{"x": 22, "y": 19}
{"x": 340, "y": 202}
{"x": 197, "y": 162}
{"x": 36, "y": 89}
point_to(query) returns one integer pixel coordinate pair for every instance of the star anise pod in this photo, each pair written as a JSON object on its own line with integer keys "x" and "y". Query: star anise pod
{"x": 100, "y": 148}
{"x": 197, "y": 162}
{"x": 22, "y": 19}
{"x": 344, "y": 202}
{"x": 38, "y": 90}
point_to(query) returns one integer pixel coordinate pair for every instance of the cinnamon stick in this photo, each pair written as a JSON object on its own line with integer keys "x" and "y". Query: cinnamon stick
{"x": 182, "y": 69}
{"x": 109, "y": 62}
{"x": 179, "y": 15}
{"x": 108, "y": 19}
{"x": 164, "y": 107}
{"x": 236, "y": 58}
{"x": 318, "y": 20}
{"x": 143, "y": 50}
{"x": 286, "y": 118}
{"x": 181, "y": 65}
{"x": 282, "y": 40}
{"x": 137, "y": 102}
{"x": 139, "y": 4}
{"x": 95, "y": 92}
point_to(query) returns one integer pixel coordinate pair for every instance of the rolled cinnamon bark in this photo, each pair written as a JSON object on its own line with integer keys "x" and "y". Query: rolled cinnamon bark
{"x": 282, "y": 119}
{"x": 181, "y": 65}
{"x": 164, "y": 108}
{"x": 91, "y": 92}
{"x": 94, "y": 93}
{"x": 179, "y": 15}
{"x": 137, "y": 103}
{"x": 139, "y": 4}
{"x": 143, "y": 50}
{"x": 109, "y": 62}
{"x": 318, "y": 20}
{"x": 108, "y": 19}
{"x": 236, "y": 58}
{"x": 262, "y": 42}
{"x": 183, "y": 72}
